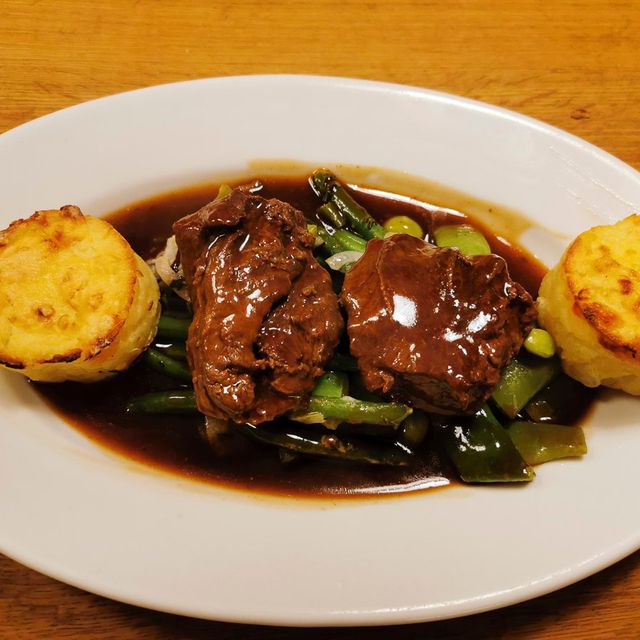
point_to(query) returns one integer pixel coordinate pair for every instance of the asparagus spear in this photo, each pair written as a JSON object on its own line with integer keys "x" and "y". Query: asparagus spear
{"x": 330, "y": 212}
{"x": 175, "y": 350}
{"x": 350, "y": 241}
{"x": 327, "y": 187}
{"x": 521, "y": 380}
{"x": 331, "y": 243}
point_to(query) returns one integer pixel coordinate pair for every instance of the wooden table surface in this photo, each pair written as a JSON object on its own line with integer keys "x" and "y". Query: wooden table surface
{"x": 573, "y": 64}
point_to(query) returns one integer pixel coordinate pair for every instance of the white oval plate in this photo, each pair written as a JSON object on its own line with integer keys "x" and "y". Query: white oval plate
{"x": 86, "y": 516}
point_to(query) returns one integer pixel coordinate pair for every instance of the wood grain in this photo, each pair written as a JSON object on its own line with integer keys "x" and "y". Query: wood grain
{"x": 574, "y": 64}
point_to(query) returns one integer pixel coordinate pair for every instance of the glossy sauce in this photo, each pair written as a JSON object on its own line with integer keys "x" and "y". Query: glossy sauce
{"x": 176, "y": 443}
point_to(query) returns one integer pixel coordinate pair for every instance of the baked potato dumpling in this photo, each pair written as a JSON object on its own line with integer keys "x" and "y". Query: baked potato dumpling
{"x": 76, "y": 302}
{"x": 590, "y": 303}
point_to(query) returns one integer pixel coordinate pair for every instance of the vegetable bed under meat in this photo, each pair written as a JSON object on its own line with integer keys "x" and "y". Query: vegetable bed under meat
{"x": 355, "y": 414}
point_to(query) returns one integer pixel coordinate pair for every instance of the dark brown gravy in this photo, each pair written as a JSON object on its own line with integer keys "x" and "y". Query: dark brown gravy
{"x": 174, "y": 443}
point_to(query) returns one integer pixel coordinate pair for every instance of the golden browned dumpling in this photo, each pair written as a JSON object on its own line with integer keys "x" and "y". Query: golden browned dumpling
{"x": 590, "y": 303}
{"x": 76, "y": 302}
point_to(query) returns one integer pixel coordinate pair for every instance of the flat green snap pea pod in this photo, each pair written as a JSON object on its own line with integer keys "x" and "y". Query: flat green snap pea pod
{"x": 164, "y": 364}
{"x": 327, "y": 187}
{"x": 540, "y": 343}
{"x": 538, "y": 443}
{"x": 164, "y": 402}
{"x": 332, "y": 384}
{"x": 469, "y": 241}
{"x": 313, "y": 443}
{"x": 173, "y": 328}
{"x": 563, "y": 401}
{"x": 354, "y": 411}
{"x": 480, "y": 449}
{"x": 403, "y": 224}
{"x": 348, "y": 409}
{"x": 521, "y": 380}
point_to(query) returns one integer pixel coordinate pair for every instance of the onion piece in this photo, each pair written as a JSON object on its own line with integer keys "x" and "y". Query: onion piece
{"x": 216, "y": 432}
{"x": 343, "y": 259}
{"x": 165, "y": 266}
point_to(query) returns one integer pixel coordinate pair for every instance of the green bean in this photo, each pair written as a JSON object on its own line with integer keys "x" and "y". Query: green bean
{"x": 342, "y": 362}
{"x": 347, "y": 409}
{"x": 481, "y": 449}
{"x": 330, "y": 212}
{"x": 164, "y": 364}
{"x": 563, "y": 401}
{"x": 173, "y": 328}
{"x": 521, "y": 380}
{"x": 538, "y": 443}
{"x": 540, "y": 343}
{"x": 180, "y": 401}
{"x": 311, "y": 443}
{"x": 172, "y": 304}
{"x": 414, "y": 429}
{"x": 469, "y": 241}
{"x": 287, "y": 456}
{"x": 327, "y": 187}
{"x": 175, "y": 350}
{"x": 350, "y": 241}
{"x": 403, "y": 224}
{"x": 332, "y": 384}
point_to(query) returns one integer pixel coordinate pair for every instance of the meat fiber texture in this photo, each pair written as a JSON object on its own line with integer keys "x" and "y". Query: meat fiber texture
{"x": 431, "y": 326}
{"x": 266, "y": 319}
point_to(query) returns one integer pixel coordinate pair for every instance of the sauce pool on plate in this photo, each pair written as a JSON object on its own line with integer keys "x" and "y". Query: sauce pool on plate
{"x": 176, "y": 443}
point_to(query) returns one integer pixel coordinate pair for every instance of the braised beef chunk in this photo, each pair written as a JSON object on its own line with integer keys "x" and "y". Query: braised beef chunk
{"x": 431, "y": 326}
{"x": 265, "y": 316}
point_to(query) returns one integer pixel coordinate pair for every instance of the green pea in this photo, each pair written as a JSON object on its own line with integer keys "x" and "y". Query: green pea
{"x": 403, "y": 224}
{"x": 540, "y": 343}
